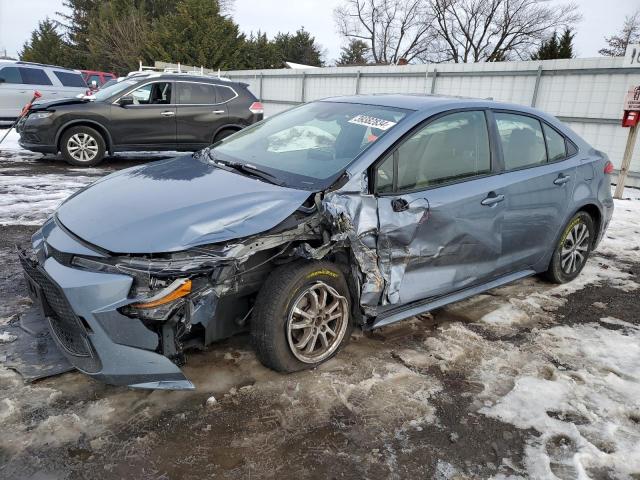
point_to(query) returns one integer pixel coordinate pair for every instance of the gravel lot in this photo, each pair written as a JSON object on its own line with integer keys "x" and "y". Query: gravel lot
{"x": 526, "y": 381}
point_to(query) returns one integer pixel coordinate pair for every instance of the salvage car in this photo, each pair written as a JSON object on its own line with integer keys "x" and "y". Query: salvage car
{"x": 141, "y": 112}
{"x": 351, "y": 211}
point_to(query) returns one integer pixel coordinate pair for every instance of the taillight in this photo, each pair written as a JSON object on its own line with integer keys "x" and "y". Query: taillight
{"x": 256, "y": 107}
{"x": 608, "y": 168}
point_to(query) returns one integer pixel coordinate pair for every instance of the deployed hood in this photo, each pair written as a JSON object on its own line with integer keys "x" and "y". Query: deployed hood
{"x": 174, "y": 205}
{"x": 45, "y": 104}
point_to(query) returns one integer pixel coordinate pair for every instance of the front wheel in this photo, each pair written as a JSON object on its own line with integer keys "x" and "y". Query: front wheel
{"x": 302, "y": 316}
{"x": 82, "y": 146}
{"x": 573, "y": 249}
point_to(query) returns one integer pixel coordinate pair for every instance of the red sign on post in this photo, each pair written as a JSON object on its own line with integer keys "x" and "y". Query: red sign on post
{"x": 631, "y": 116}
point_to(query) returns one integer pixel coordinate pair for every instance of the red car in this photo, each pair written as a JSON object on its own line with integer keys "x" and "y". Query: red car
{"x": 99, "y": 77}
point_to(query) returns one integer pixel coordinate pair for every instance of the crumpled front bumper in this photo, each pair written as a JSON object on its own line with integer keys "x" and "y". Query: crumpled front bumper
{"x": 81, "y": 309}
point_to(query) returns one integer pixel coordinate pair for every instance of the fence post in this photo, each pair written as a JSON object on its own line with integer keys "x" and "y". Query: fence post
{"x": 358, "y": 82}
{"x": 536, "y": 87}
{"x": 304, "y": 77}
{"x": 261, "y": 81}
{"x": 433, "y": 81}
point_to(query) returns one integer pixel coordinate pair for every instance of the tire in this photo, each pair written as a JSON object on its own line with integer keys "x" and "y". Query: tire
{"x": 222, "y": 134}
{"x": 290, "y": 287}
{"x": 569, "y": 256}
{"x": 82, "y": 146}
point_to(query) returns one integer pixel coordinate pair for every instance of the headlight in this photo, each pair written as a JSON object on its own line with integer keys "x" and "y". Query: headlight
{"x": 179, "y": 288}
{"x": 39, "y": 115}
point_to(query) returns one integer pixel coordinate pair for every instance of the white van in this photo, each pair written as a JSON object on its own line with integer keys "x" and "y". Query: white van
{"x": 18, "y": 81}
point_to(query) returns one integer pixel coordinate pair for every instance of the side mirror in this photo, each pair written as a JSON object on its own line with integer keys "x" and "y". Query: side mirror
{"x": 126, "y": 100}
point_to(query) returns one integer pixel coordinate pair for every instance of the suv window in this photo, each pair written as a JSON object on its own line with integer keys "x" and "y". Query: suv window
{"x": 94, "y": 78}
{"x": 196, "y": 93}
{"x": 556, "y": 147}
{"x": 34, "y": 76}
{"x": 453, "y": 147}
{"x": 69, "y": 79}
{"x": 158, "y": 93}
{"x": 11, "y": 75}
{"x": 522, "y": 140}
{"x": 225, "y": 93}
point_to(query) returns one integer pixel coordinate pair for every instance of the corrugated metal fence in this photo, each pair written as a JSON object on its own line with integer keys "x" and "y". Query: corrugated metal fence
{"x": 587, "y": 94}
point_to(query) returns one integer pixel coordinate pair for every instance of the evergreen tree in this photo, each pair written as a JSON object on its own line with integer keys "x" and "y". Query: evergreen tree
{"x": 260, "y": 52}
{"x": 197, "y": 34}
{"x": 300, "y": 47}
{"x": 45, "y": 46}
{"x": 355, "y": 53}
{"x": 565, "y": 45}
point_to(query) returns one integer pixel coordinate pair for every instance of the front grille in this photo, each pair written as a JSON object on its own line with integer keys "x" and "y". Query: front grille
{"x": 65, "y": 324}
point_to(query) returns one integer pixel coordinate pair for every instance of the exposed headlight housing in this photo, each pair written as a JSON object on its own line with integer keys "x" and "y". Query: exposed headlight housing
{"x": 40, "y": 115}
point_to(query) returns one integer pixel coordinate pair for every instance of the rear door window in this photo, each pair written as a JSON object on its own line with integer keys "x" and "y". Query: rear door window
{"x": 35, "y": 76}
{"x": 69, "y": 79}
{"x": 522, "y": 140}
{"x": 556, "y": 146}
{"x": 11, "y": 75}
{"x": 196, "y": 93}
{"x": 225, "y": 93}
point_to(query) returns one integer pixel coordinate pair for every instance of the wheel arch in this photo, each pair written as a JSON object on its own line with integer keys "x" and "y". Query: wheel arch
{"x": 235, "y": 127}
{"x": 101, "y": 129}
{"x": 596, "y": 214}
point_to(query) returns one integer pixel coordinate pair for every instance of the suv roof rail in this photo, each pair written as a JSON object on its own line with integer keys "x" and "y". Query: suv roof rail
{"x": 21, "y": 62}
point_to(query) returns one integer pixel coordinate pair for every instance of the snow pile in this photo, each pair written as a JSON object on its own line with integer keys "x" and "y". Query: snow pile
{"x": 29, "y": 200}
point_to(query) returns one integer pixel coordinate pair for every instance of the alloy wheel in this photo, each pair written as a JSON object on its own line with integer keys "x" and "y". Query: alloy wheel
{"x": 575, "y": 248}
{"x": 82, "y": 147}
{"x": 317, "y": 323}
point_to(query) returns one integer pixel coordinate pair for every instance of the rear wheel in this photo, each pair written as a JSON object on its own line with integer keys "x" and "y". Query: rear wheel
{"x": 573, "y": 249}
{"x": 302, "y": 316}
{"x": 82, "y": 146}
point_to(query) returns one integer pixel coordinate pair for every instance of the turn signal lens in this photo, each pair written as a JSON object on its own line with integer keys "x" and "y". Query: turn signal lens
{"x": 608, "y": 168}
{"x": 176, "y": 290}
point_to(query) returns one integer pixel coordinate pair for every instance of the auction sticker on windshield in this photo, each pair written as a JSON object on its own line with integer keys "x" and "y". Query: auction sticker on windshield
{"x": 372, "y": 122}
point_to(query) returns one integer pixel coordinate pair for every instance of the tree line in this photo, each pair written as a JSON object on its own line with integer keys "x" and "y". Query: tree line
{"x": 115, "y": 35}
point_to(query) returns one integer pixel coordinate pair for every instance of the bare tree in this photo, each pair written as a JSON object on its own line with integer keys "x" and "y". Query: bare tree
{"x": 629, "y": 34}
{"x": 393, "y": 29}
{"x": 496, "y": 30}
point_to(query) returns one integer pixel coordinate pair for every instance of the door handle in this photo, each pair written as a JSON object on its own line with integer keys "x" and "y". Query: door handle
{"x": 168, "y": 113}
{"x": 562, "y": 179}
{"x": 218, "y": 112}
{"x": 492, "y": 199}
{"x": 399, "y": 205}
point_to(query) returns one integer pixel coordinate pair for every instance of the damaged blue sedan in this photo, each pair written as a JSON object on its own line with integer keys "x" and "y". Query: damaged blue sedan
{"x": 351, "y": 211}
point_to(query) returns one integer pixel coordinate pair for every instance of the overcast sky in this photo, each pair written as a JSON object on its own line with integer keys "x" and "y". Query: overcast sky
{"x": 19, "y": 17}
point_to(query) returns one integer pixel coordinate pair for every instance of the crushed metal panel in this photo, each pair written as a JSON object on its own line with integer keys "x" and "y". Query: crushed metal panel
{"x": 354, "y": 221}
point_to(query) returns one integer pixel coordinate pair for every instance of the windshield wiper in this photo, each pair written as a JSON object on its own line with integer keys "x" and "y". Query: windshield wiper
{"x": 247, "y": 169}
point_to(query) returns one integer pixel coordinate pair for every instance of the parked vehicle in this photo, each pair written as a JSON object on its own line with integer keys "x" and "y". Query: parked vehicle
{"x": 163, "y": 112}
{"x": 360, "y": 210}
{"x": 96, "y": 79}
{"x": 18, "y": 81}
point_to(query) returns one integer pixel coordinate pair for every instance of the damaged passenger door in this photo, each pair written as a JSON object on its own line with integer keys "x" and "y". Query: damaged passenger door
{"x": 440, "y": 210}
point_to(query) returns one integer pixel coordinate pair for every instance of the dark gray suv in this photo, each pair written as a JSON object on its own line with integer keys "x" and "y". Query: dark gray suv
{"x": 361, "y": 210}
{"x": 158, "y": 112}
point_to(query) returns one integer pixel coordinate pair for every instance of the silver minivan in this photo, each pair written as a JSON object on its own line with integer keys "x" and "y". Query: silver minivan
{"x": 18, "y": 81}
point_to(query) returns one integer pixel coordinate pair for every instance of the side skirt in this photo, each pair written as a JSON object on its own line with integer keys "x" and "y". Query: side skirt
{"x": 422, "y": 306}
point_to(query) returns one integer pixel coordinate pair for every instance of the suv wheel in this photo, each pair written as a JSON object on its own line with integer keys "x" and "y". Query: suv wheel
{"x": 302, "y": 316}
{"x": 573, "y": 249}
{"x": 82, "y": 146}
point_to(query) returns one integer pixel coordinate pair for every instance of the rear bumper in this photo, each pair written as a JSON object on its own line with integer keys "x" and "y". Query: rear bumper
{"x": 81, "y": 311}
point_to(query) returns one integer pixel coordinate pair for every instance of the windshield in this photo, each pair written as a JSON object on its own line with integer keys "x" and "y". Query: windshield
{"x": 308, "y": 146}
{"x": 111, "y": 90}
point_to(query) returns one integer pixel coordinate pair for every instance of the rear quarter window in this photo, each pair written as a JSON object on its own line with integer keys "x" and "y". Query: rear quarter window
{"x": 34, "y": 76}
{"x": 224, "y": 93}
{"x": 69, "y": 79}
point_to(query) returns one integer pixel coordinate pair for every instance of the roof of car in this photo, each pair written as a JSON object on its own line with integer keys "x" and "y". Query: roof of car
{"x": 181, "y": 76}
{"x": 34, "y": 64}
{"x": 426, "y": 102}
